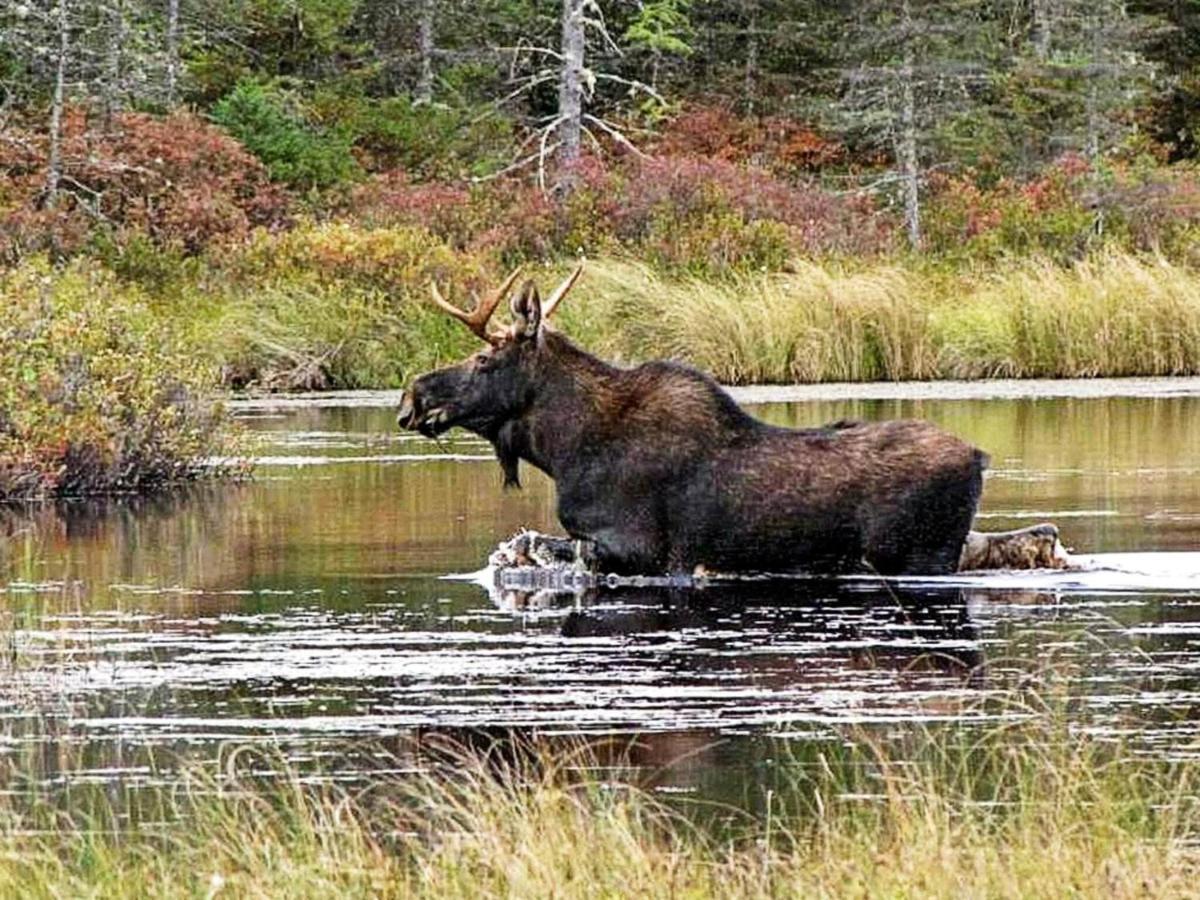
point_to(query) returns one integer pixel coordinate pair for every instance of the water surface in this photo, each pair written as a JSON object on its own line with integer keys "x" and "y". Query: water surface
{"x": 306, "y": 609}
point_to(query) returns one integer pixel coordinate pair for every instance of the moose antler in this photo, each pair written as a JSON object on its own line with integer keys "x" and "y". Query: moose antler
{"x": 477, "y": 318}
{"x": 551, "y": 302}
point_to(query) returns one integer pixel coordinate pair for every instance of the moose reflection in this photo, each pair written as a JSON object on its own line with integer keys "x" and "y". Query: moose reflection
{"x": 658, "y": 469}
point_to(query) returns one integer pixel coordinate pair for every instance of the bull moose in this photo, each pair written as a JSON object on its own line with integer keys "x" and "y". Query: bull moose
{"x": 661, "y": 471}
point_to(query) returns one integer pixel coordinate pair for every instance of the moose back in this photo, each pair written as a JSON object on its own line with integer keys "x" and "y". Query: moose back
{"x": 661, "y": 470}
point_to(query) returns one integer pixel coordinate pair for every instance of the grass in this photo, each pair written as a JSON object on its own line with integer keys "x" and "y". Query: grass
{"x": 1028, "y": 808}
{"x": 337, "y": 306}
{"x": 1113, "y": 315}
{"x": 108, "y": 376}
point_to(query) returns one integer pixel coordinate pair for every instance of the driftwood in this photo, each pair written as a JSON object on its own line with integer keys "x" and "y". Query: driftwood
{"x": 1036, "y": 547}
{"x": 531, "y": 567}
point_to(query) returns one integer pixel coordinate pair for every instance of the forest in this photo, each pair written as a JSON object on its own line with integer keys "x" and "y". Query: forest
{"x": 853, "y": 191}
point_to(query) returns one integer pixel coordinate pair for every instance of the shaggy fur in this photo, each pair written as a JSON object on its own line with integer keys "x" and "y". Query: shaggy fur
{"x": 663, "y": 471}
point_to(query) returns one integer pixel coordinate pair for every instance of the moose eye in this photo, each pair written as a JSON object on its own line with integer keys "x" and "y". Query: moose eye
{"x": 484, "y": 361}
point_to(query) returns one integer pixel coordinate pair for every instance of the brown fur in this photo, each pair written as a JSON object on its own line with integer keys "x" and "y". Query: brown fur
{"x": 659, "y": 468}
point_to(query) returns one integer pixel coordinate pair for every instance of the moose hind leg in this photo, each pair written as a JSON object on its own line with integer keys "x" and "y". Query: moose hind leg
{"x": 925, "y": 535}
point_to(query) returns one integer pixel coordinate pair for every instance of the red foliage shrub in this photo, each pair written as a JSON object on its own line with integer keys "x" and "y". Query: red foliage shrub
{"x": 679, "y": 188}
{"x": 776, "y": 143}
{"x": 177, "y": 180}
{"x": 1156, "y": 209}
{"x": 391, "y": 199}
{"x": 682, "y": 212}
{"x": 1065, "y": 210}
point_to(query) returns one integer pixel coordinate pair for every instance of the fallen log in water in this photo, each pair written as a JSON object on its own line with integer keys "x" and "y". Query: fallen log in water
{"x": 531, "y": 562}
{"x": 1036, "y": 547}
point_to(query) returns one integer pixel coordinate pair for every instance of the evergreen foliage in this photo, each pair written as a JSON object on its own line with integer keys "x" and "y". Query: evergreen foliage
{"x": 294, "y": 151}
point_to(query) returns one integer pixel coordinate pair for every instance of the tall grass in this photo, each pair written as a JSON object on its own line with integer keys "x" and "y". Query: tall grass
{"x": 1029, "y": 808}
{"x": 340, "y": 306}
{"x": 1113, "y": 315}
{"x": 823, "y": 322}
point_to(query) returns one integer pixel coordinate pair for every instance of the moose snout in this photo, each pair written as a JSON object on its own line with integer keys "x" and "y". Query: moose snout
{"x": 407, "y": 415}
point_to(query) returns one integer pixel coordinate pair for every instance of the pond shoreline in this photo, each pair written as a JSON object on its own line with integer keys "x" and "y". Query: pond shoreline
{"x": 982, "y": 389}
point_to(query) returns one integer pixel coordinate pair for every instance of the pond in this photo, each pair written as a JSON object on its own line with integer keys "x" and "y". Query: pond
{"x": 307, "y": 608}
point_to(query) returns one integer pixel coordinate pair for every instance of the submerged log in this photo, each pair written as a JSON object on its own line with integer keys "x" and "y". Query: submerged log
{"x": 532, "y": 562}
{"x": 1035, "y": 547}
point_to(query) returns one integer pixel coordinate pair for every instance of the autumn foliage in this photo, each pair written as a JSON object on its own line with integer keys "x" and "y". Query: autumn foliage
{"x": 174, "y": 180}
{"x": 1067, "y": 211}
{"x": 98, "y": 394}
{"x": 707, "y": 216}
{"x": 780, "y": 144}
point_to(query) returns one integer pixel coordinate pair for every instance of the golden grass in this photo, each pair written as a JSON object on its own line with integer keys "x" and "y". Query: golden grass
{"x": 1029, "y": 809}
{"x": 1116, "y": 314}
{"x": 346, "y": 307}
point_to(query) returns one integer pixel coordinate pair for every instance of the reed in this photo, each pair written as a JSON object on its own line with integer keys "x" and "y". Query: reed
{"x": 346, "y": 307}
{"x": 1116, "y": 314}
{"x": 1027, "y": 808}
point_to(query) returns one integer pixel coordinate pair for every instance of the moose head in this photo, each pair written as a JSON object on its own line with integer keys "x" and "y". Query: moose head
{"x": 495, "y": 385}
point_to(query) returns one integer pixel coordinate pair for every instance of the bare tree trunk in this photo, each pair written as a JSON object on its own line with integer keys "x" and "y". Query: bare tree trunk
{"x": 54, "y": 167}
{"x": 750, "y": 7}
{"x": 1092, "y": 101}
{"x": 172, "y": 50}
{"x": 111, "y": 84}
{"x": 1041, "y": 29}
{"x": 570, "y": 85}
{"x": 425, "y": 46}
{"x": 907, "y": 139}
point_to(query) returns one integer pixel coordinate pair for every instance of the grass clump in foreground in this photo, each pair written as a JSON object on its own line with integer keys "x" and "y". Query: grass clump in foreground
{"x": 1027, "y": 809}
{"x": 97, "y": 393}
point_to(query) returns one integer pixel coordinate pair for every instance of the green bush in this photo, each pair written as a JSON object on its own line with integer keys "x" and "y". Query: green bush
{"x": 97, "y": 394}
{"x": 426, "y": 140}
{"x": 334, "y": 306}
{"x": 294, "y": 151}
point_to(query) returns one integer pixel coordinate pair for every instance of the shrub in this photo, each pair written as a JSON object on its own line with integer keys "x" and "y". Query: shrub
{"x": 1067, "y": 211}
{"x": 1047, "y": 215}
{"x": 335, "y": 306}
{"x": 779, "y": 144}
{"x": 396, "y": 261}
{"x": 174, "y": 181}
{"x": 699, "y": 216}
{"x": 97, "y": 394}
{"x": 673, "y": 203}
{"x": 391, "y": 199}
{"x": 293, "y": 151}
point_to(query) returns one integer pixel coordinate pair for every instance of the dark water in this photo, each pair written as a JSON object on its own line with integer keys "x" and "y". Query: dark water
{"x": 306, "y": 609}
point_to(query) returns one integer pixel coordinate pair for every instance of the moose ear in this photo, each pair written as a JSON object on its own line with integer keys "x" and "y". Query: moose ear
{"x": 527, "y": 311}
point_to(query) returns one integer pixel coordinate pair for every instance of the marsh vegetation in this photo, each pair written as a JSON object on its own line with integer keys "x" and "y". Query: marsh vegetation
{"x": 1032, "y": 808}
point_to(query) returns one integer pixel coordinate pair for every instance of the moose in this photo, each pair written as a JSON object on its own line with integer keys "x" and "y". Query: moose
{"x": 659, "y": 470}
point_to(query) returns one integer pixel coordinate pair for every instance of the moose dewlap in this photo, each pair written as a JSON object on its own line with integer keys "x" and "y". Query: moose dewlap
{"x": 661, "y": 470}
